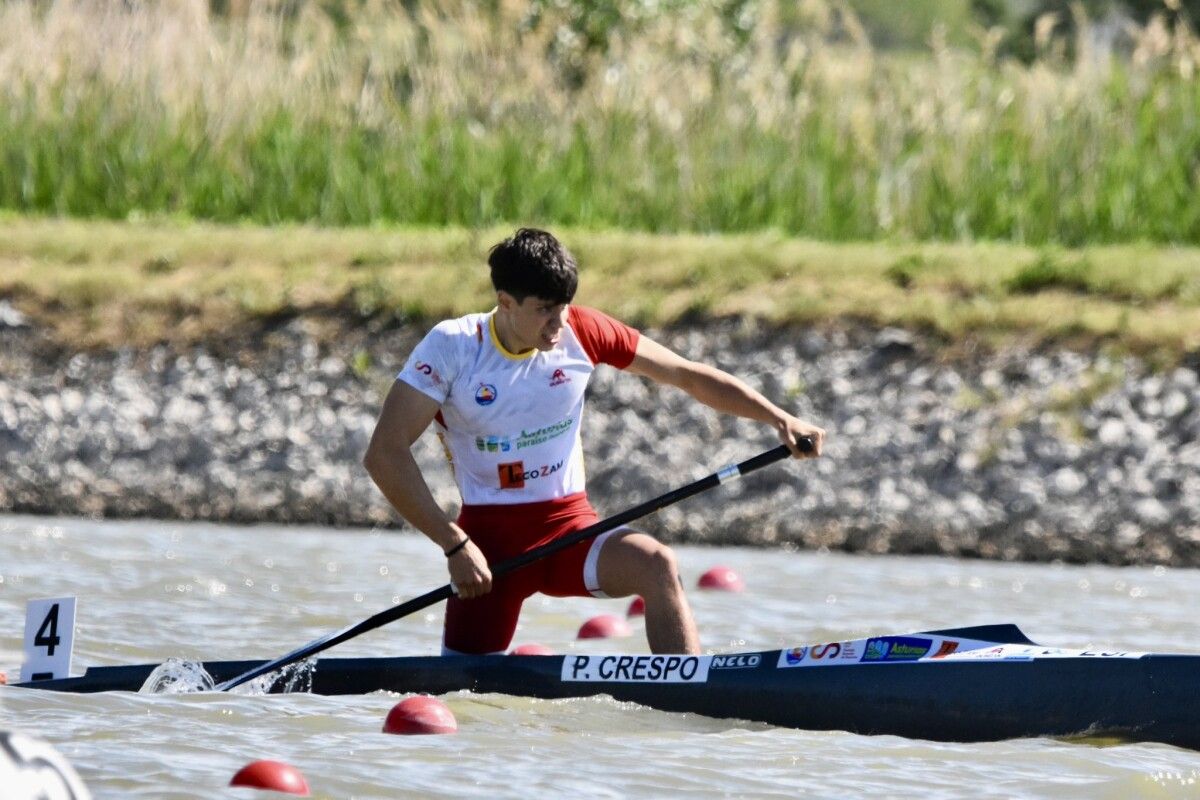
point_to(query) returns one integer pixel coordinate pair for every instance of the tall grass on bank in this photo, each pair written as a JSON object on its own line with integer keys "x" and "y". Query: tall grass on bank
{"x": 462, "y": 114}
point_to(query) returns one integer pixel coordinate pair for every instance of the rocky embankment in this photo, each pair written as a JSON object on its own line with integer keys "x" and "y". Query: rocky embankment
{"x": 1016, "y": 455}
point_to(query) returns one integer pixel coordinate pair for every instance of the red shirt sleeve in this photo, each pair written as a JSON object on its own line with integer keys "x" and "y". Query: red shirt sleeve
{"x": 604, "y": 339}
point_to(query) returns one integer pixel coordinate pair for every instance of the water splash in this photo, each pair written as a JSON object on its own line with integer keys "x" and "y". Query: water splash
{"x": 296, "y": 677}
{"x": 177, "y": 676}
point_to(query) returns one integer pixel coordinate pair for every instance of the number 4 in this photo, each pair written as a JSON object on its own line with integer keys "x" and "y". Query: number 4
{"x": 47, "y": 635}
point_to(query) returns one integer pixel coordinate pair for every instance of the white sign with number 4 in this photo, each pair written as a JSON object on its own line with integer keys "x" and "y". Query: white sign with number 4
{"x": 49, "y": 638}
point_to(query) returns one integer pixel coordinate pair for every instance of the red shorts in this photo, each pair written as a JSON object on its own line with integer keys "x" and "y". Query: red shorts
{"x": 486, "y": 624}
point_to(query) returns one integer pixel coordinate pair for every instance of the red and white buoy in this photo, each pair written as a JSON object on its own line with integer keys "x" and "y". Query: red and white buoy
{"x": 722, "y": 579}
{"x": 273, "y": 775}
{"x": 637, "y": 607}
{"x": 531, "y": 649}
{"x": 419, "y": 715}
{"x": 604, "y": 626}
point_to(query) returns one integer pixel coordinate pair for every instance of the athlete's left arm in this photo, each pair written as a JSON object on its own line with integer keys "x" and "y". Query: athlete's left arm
{"x": 721, "y": 391}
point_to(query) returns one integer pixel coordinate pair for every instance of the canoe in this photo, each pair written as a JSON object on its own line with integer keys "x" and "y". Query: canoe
{"x": 981, "y": 683}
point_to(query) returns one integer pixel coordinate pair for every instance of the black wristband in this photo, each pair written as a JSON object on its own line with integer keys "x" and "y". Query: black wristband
{"x": 457, "y": 547}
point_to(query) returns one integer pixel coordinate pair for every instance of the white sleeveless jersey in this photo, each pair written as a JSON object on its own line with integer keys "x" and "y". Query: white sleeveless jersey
{"x": 510, "y": 423}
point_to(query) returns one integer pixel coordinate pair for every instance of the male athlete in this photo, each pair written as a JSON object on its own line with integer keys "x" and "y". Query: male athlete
{"x": 505, "y": 390}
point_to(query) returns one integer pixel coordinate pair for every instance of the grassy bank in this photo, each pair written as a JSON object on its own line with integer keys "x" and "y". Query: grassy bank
{"x": 469, "y": 116}
{"x": 101, "y": 283}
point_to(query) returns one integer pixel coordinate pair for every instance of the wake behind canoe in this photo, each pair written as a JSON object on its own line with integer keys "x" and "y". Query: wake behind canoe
{"x": 971, "y": 684}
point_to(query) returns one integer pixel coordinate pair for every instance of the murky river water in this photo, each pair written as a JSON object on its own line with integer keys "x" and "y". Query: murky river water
{"x": 151, "y": 590}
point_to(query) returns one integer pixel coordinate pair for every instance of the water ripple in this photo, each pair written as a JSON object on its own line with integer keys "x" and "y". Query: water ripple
{"x": 153, "y": 591}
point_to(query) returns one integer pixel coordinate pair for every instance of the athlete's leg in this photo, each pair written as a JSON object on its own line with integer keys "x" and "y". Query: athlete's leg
{"x": 630, "y": 562}
{"x": 483, "y": 624}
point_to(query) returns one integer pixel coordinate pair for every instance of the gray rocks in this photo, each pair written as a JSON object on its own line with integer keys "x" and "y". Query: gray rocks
{"x": 1018, "y": 455}
{"x": 10, "y": 317}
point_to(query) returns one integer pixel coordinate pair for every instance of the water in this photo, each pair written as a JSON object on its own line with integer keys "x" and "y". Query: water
{"x": 149, "y": 591}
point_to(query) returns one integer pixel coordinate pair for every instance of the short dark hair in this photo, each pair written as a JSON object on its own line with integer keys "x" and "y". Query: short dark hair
{"x": 532, "y": 263}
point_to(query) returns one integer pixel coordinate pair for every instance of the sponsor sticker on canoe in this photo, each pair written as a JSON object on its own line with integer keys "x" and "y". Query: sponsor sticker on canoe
{"x": 833, "y": 652}
{"x": 1025, "y": 652}
{"x": 819, "y": 655}
{"x": 896, "y": 648}
{"x": 947, "y": 647}
{"x": 637, "y": 669}
{"x": 879, "y": 650}
{"x": 907, "y": 649}
{"x": 738, "y": 661}
{"x": 793, "y": 657}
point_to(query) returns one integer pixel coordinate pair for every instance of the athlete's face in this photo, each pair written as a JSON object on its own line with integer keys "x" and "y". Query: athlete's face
{"x": 534, "y": 322}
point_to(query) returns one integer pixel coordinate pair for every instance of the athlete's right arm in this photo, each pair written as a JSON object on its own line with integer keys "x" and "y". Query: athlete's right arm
{"x": 406, "y": 413}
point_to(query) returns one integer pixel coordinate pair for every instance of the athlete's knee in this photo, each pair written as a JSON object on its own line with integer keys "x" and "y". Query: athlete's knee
{"x": 661, "y": 566}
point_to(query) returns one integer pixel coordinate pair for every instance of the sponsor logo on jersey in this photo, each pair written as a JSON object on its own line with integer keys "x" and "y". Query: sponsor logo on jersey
{"x": 543, "y": 435}
{"x": 485, "y": 394}
{"x": 736, "y": 662}
{"x": 493, "y": 444}
{"x": 559, "y": 378}
{"x": 896, "y": 648}
{"x": 513, "y": 473}
{"x": 429, "y": 372}
{"x": 636, "y": 669}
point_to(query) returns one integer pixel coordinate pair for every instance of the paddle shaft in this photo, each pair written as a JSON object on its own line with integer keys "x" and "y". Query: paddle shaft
{"x": 444, "y": 592}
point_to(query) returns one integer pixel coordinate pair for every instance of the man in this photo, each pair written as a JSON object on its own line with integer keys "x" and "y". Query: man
{"x": 505, "y": 390}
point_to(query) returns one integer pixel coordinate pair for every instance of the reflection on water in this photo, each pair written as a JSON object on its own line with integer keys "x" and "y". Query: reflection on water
{"x": 153, "y": 591}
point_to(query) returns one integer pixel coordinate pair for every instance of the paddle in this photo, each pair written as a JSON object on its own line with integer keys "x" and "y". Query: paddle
{"x": 437, "y": 595}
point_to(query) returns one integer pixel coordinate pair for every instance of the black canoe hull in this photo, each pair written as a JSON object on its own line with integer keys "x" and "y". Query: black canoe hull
{"x": 1153, "y": 698}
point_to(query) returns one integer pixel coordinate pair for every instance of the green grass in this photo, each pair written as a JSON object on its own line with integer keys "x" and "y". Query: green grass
{"x": 466, "y": 118}
{"x": 106, "y": 283}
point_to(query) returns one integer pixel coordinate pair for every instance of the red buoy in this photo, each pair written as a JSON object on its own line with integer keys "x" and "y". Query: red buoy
{"x": 531, "y": 649}
{"x": 273, "y": 775}
{"x": 3, "y": 679}
{"x": 418, "y": 715}
{"x": 722, "y": 579}
{"x": 637, "y": 608}
{"x": 603, "y": 627}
